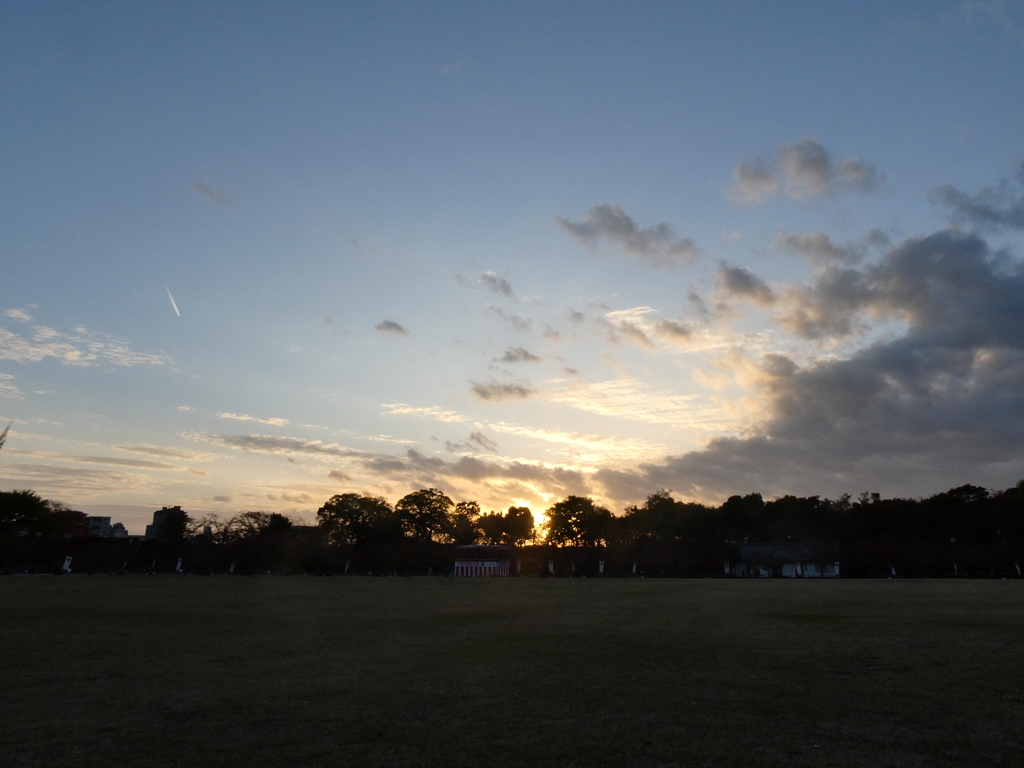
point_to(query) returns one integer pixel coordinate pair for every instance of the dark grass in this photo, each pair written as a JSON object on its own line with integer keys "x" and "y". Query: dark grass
{"x": 294, "y": 671}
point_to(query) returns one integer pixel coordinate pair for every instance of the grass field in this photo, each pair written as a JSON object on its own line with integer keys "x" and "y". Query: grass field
{"x": 295, "y": 671}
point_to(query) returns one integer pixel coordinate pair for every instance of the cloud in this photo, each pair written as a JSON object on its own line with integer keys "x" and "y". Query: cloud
{"x": 937, "y": 406}
{"x": 586, "y": 449}
{"x": 7, "y": 389}
{"x": 82, "y": 347}
{"x": 808, "y": 169}
{"x": 673, "y": 331}
{"x": 934, "y": 280}
{"x": 628, "y": 398}
{"x": 58, "y": 482}
{"x": 165, "y": 452}
{"x": 109, "y": 460}
{"x": 818, "y": 249}
{"x": 518, "y": 355}
{"x": 18, "y": 314}
{"x": 738, "y": 281}
{"x": 497, "y": 392}
{"x": 274, "y": 422}
{"x": 496, "y": 284}
{"x": 390, "y": 326}
{"x": 805, "y": 169}
{"x": 519, "y": 323}
{"x": 994, "y": 207}
{"x": 275, "y": 444}
{"x": 218, "y": 198}
{"x": 483, "y": 442}
{"x": 656, "y": 246}
{"x": 222, "y": 499}
{"x": 427, "y": 412}
{"x": 755, "y": 182}
{"x": 500, "y": 480}
{"x": 628, "y": 325}
{"x": 551, "y": 333}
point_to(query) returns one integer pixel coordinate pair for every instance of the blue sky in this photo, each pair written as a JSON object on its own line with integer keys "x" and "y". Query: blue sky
{"x": 511, "y": 251}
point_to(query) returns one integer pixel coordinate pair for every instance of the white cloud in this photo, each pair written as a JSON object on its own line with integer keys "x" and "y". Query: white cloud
{"x": 274, "y": 422}
{"x": 426, "y": 412}
{"x": 82, "y": 347}
{"x": 18, "y": 314}
{"x": 7, "y": 389}
{"x": 61, "y": 482}
{"x": 628, "y": 398}
{"x": 588, "y": 449}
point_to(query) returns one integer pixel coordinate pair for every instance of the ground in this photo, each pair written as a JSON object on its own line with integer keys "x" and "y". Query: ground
{"x": 361, "y": 671}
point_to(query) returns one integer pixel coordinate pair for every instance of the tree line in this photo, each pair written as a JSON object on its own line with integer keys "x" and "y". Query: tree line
{"x": 967, "y": 530}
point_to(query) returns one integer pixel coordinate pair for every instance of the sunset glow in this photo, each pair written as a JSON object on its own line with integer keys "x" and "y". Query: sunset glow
{"x": 257, "y": 261}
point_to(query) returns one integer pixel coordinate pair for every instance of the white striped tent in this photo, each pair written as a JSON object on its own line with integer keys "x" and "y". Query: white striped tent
{"x": 483, "y": 560}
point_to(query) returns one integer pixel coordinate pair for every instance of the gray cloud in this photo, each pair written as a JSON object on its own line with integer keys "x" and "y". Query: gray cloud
{"x": 433, "y": 471}
{"x": 496, "y": 392}
{"x": 218, "y": 198}
{"x": 673, "y": 330}
{"x": 518, "y": 355}
{"x": 483, "y": 442}
{"x": 275, "y": 444}
{"x": 737, "y": 281}
{"x": 830, "y": 307}
{"x": 998, "y": 206}
{"x": 936, "y": 407}
{"x": 167, "y": 453}
{"x": 805, "y": 168}
{"x": 390, "y": 326}
{"x": 818, "y": 248}
{"x": 656, "y": 246}
{"x": 522, "y": 324}
{"x": 619, "y": 330}
{"x": 755, "y": 182}
{"x": 496, "y": 284}
{"x": 808, "y": 168}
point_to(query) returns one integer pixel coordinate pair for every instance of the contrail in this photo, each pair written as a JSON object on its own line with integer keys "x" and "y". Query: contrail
{"x": 172, "y": 301}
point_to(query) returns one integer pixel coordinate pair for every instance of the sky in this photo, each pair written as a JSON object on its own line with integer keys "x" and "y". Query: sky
{"x": 256, "y": 254}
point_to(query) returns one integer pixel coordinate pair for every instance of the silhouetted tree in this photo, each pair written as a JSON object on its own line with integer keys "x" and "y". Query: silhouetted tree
{"x": 514, "y": 527}
{"x": 356, "y": 518}
{"x": 24, "y": 513}
{"x": 426, "y": 515}
{"x": 578, "y": 521}
{"x": 463, "y": 526}
{"x": 492, "y": 528}
{"x": 518, "y": 526}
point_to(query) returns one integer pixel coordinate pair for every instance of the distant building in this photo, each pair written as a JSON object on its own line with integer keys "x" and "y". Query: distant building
{"x": 160, "y": 517}
{"x": 483, "y": 560}
{"x": 118, "y": 531}
{"x": 99, "y": 527}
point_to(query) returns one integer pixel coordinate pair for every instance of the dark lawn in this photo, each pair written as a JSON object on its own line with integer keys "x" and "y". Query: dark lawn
{"x": 303, "y": 671}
